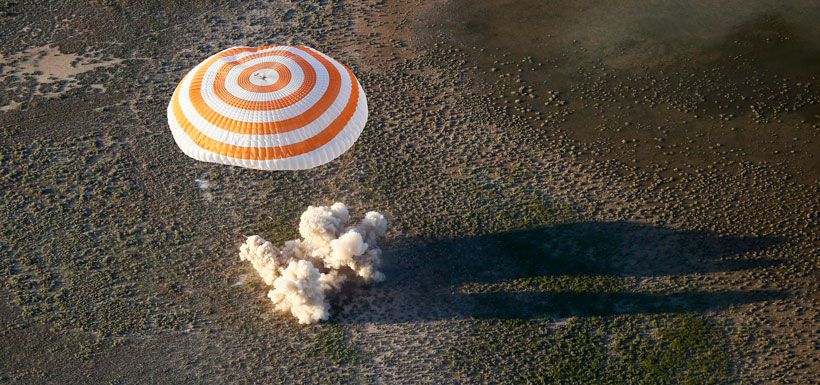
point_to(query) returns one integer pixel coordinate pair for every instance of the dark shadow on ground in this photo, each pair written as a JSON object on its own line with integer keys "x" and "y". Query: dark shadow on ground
{"x": 576, "y": 269}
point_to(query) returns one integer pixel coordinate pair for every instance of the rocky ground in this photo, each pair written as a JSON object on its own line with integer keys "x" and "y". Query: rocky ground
{"x": 578, "y": 194}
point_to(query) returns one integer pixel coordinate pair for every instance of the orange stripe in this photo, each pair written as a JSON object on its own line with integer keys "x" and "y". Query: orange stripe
{"x": 226, "y": 96}
{"x": 282, "y": 126}
{"x": 282, "y": 71}
{"x": 266, "y": 153}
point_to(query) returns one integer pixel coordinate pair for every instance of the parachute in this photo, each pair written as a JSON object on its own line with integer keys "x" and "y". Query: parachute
{"x": 275, "y": 107}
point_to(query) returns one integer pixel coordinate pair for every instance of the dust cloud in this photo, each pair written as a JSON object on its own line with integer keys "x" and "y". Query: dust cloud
{"x": 330, "y": 253}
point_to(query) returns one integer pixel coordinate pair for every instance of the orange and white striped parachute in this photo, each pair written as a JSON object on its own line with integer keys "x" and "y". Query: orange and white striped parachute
{"x": 276, "y": 107}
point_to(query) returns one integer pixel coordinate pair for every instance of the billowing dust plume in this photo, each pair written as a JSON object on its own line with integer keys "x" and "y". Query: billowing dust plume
{"x": 304, "y": 272}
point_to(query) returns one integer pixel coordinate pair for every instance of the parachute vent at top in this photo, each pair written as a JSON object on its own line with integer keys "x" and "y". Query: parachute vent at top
{"x": 270, "y": 108}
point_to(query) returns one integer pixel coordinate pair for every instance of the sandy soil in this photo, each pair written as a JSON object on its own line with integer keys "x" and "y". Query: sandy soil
{"x": 578, "y": 194}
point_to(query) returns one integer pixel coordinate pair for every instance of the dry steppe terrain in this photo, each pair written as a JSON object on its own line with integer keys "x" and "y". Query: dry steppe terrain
{"x": 579, "y": 193}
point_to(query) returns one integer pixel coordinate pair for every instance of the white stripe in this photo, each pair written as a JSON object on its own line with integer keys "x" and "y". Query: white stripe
{"x": 264, "y": 77}
{"x": 296, "y": 80}
{"x": 269, "y": 140}
{"x": 313, "y": 96}
{"x": 331, "y": 150}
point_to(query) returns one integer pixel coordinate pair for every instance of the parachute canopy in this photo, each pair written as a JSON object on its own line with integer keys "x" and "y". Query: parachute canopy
{"x": 276, "y": 107}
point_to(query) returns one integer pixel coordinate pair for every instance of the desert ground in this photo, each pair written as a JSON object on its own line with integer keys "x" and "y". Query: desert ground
{"x": 579, "y": 192}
